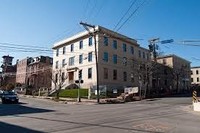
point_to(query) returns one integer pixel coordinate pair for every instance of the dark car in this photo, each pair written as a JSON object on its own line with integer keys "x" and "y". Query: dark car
{"x": 9, "y": 97}
{"x": 1, "y": 93}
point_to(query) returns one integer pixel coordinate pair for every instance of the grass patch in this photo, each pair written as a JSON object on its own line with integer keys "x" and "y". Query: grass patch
{"x": 73, "y": 93}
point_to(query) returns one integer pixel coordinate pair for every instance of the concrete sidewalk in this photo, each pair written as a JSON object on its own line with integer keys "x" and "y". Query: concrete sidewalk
{"x": 64, "y": 100}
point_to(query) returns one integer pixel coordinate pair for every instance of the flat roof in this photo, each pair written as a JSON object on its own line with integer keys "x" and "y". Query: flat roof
{"x": 86, "y": 33}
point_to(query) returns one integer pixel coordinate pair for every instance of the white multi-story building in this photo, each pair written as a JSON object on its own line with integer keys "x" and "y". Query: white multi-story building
{"x": 195, "y": 75}
{"x": 118, "y": 58}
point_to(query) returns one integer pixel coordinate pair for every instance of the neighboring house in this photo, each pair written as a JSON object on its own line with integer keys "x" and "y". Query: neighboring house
{"x": 119, "y": 58}
{"x": 180, "y": 73}
{"x": 22, "y": 68}
{"x": 8, "y": 74}
{"x": 162, "y": 79}
{"x": 35, "y": 72}
{"x": 39, "y": 72}
{"x": 195, "y": 75}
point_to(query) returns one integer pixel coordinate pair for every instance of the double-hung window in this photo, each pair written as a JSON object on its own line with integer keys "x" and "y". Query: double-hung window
{"x": 71, "y": 61}
{"x": 115, "y": 59}
{"x": 64, "y": 50}
{"x": 81, "y": 59}
{"x": 72, "y": 47}
{"x": 105, "y": 56}
{"x": 89, "y": 73}
{"x": 81, "y": 44}
{"x": 90, "y": 41}
{"x": 115, "y": 44}
{"x": 124, "y": 47}
{"x": 63, "y": 63}
{"x": 90, "y": 57}
{"x": 105, "y": 41}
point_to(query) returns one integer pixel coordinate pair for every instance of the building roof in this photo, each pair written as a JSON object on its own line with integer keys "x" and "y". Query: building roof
{"x": 195, "y": 67}
{"x": 173, "y": 56}
{"x": 98, "y": 29}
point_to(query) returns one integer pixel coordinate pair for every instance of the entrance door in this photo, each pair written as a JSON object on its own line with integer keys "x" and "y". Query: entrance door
{"x": 71, "y": 76}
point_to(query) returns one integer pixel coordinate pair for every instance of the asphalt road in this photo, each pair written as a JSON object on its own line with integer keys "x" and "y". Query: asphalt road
{"x": 171, "y": 115}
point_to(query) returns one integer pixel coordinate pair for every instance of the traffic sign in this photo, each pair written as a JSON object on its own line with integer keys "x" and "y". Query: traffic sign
{"x": 167, "y": 41}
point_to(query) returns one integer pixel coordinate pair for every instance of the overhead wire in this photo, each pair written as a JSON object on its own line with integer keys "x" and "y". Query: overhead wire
{"x": 133, "y": 2}
{"x": 135, "y": 11}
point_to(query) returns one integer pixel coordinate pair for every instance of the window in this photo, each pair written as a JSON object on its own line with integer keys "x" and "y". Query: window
{"x": 124, "y": 47}
{"x": 139, "y": 52}
{"x": 89, "y": 73}
{"x": 105, "y": 56}
{"x": 80, "y": 59}
{"x": 125, "y": 76}
{"x": 57, "y": 52}
{"x": 56, "y": 64}
{"x": 90, "y": 41}
{"x": 132, "y": 50}
{"x": 124, "y": 61}
{"x": 80, "y": 44}
{"x": 115, "y": 59}
{"x": 105, "y": 73}
{"x": 197, "y": 79}
{"x": 143, "y": 55}
{"x": 191, "y": 72}
{"x": 63, "y": 62}
{"x": 105, "y": 41}
{"x": 63, "y": 77}
{"x": 114, "y": 74}
{"x": 90, "y": 57}
{"x": 197, "y": 72}
{"x": 64, "y": 50}
{"x": 56, "y": 78}
{"x": 115, "y": 44}
{"x": 71, "y": 61}
{"x": 72, "y": 47}
{"x": 80, "y": 74}
{"x": 192, "y": 80}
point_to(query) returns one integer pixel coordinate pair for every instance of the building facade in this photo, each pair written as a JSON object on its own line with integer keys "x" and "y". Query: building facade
{"x": 8, "y": 74}
{"x": 180, "y": 73}
{"x": 35, "y": 72}
{"x": 39, "y": 72}
{"x": 22, "y": 68}
{"x": 118, "y": 57}
{"x": 195, "y": 75}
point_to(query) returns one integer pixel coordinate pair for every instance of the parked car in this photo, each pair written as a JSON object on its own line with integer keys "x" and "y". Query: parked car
{"x": 9, "y": 97}
{"x": 1, "y": 92}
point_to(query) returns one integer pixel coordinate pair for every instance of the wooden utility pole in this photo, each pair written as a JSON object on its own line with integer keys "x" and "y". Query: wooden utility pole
{"x": 85, "y": 25}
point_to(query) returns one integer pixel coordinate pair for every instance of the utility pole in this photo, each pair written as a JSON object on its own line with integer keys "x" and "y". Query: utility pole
{"x": 153, "y": 47}
{"x": 85, "y": 25}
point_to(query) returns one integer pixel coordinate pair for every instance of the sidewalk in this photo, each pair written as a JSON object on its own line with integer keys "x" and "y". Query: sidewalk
{"x": 64, "y": 100}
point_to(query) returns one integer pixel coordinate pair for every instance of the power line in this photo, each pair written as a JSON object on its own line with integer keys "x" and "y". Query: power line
{"x": 27, "y": 46}
{"x": 131, "y": 15}
{"x": 125, "y": 14}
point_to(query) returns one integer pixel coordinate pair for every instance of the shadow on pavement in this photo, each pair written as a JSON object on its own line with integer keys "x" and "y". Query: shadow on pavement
{"x": 8, "y": 128}
{"x": 15, "y": 109}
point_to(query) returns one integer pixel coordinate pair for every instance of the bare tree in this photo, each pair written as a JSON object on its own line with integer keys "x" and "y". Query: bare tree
{"x": 58, "y": 79}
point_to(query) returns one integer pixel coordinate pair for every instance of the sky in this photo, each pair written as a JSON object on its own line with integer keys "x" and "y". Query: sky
{"x": 29, "y": 26}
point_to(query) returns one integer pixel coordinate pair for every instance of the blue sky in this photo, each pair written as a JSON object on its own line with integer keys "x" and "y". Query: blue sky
{"x": 40, "y": 23}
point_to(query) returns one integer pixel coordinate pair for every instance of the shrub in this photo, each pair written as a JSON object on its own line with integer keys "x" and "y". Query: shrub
{"x": 73, "y": 93}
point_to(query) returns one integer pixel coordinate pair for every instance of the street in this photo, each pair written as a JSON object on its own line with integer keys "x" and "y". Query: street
{"x": 171, "y": 115}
